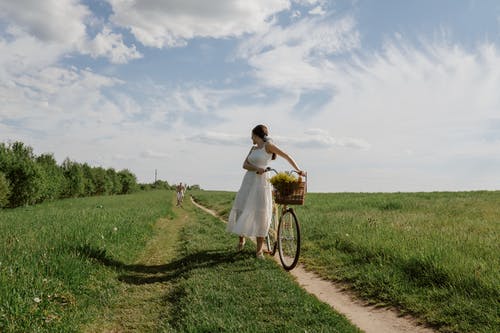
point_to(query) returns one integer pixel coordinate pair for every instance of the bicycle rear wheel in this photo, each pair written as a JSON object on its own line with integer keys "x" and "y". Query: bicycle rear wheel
{"x": 289, "y": 239}
{"x": 272, "y": 235}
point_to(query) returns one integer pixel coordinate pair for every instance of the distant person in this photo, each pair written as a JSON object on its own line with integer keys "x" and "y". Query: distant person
{"x": 252, "y": 209}
{"x": 180, "y": 193}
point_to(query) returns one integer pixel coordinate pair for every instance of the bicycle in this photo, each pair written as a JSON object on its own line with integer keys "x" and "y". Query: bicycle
{"x": 284, "y": 231}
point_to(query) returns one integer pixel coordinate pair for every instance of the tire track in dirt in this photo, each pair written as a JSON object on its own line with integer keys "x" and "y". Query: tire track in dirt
{"x": 370, "y": 319}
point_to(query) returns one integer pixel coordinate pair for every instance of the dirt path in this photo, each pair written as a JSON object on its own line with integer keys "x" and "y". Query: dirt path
{"x": 368, "y": 318}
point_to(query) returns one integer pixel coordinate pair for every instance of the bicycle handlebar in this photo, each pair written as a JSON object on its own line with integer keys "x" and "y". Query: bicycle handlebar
{"x": 276, "y": 172}
{"x": 270, "y": 169}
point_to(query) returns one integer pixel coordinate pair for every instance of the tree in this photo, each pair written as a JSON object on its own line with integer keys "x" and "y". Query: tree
{"x": 128, "y": 180}
{"x": 27, "y": 179}
{"x": 17, "y": 162}
{"x": 75, "y": 181}
{"x": 53, "y": 181}
{"x": 115, "y": 180}
{"x": 88, "y": 180}
{"x": 102, "y": 184}
{"x": 4, "y": 191}
{"x": 161, "y": 184}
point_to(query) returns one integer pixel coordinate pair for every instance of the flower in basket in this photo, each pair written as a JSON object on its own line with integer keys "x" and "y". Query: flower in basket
{"x": 284, "y": 182}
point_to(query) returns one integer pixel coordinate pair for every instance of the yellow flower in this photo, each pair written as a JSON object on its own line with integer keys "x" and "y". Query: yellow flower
{"x": 282, "y": 178}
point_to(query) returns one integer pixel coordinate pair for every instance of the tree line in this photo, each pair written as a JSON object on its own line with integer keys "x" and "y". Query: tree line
{"x": 26, "y": 179}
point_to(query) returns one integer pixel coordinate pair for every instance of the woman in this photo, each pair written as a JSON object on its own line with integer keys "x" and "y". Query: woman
{"x": 252, "y": 208}
{"x": 180, "y": 189}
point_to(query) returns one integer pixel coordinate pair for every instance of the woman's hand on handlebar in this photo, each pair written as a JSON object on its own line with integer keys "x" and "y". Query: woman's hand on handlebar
{"x": 301, "y": 173}
{"x": 260, "y": 171}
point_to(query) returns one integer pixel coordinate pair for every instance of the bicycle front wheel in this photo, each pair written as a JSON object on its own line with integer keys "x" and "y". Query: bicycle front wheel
{"x": 289, "y": 239}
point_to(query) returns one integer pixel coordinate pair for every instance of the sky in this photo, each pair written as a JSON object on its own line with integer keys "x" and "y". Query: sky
{"x": 365, "y": 95}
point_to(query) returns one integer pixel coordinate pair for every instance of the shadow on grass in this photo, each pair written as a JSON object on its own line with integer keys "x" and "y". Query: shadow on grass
{"x": 138, "y": 274}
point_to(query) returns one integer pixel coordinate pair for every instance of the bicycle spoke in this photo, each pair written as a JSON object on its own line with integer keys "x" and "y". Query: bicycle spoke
{"x": 289, "y": 240}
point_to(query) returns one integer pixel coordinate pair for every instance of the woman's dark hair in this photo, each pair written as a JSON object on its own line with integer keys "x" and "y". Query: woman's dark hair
{"x": 262, "y": 132}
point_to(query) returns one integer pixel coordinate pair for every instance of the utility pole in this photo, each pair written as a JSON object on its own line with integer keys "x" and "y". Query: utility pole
{"x": 156, "y": 175}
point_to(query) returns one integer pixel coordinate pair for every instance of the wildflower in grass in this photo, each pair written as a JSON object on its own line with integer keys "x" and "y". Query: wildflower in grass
{"x": 37, "y": 300}
{"x": 115, "y": 229}
{"x": 50, "y": 318}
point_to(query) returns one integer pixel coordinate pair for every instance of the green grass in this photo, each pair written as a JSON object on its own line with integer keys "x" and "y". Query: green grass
{"x": 65, "y": 268}
{"x": 434, "y": 255}
{"x": 219, "y": 290}
{"x": 49, "y": 278}
{"x": 219, "y": 201}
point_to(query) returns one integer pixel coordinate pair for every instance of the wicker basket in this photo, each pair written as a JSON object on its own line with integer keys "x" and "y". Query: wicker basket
{"x": 290, "y": 193}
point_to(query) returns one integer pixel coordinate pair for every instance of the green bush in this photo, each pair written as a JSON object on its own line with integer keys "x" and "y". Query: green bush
{"x": 18, "y": 164}
{"x": 128, "y": 180}
{"x": 52, "y": 178}
{"x": 102, "y": 184}
{"x": 145, "y": 187}
{"x": 4, "y": 190}
{"x": 161, "y": 185}
{"x": 115, "y": 181}
{"x": 27, "y": 179}
{"x": 75, "y": 180}
{"x": 89, "y": 181}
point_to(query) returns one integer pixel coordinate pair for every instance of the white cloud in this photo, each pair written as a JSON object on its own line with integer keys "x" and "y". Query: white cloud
{"x": 314, "y": 36}
{"x": 58, "y": 100}
{"x": 58, "y": 21}
{"x": 311, "y": 138}
{"x": 295, "y": 57}
{"x": 160, "y": 23}
{"x": 38, "y": 29}
{"x": 110, "y": 45}
{"x": 150, "y": 154}
{"x": 24, "y": 54}
{"x": 442, "y": 88}
{"x": 217, "y": 138}
{"x": 317, "y": 11}
{"x": 407, "y": 117}
{"x": 190, "y": 106}
{"x": 127, "y": 105}
{"x": 309, "y": 2}
{"x": 435, "y": 102}
{"x": 322, "y": 140}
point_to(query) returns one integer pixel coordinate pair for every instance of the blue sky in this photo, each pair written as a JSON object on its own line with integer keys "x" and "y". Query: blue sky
{"x": 367, "y": 96}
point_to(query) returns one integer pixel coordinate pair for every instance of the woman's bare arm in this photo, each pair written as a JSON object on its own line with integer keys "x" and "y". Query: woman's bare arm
{"x": 272, "y": 148}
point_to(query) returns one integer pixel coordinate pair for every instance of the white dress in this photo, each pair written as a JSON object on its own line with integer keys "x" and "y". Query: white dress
{"x": 252, "y": 208}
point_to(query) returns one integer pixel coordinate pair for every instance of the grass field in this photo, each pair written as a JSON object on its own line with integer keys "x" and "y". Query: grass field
{"x": 435, "y": 255}
{"x": 219, "y": 290}
{"x": 49, "y": 280}
{"x": 88, "y": 265}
